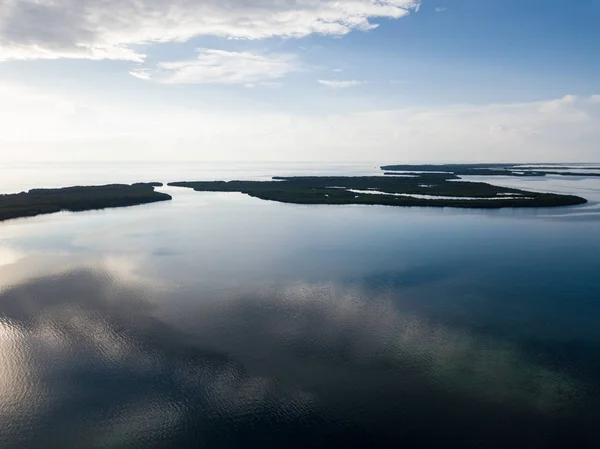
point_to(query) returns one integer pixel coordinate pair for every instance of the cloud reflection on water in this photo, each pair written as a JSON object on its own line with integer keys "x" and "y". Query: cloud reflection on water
{"x": 88, "y": 357}
{"x": 353, "y": 326}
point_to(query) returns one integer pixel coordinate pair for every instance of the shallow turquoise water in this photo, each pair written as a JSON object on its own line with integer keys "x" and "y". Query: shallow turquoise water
{"x": 218, "y": 320}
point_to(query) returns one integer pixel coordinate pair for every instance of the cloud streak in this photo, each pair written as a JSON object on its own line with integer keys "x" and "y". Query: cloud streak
{"x": 335, "y": 84}
{"x": 141, "y": 74}
{"x": 225, "y": 67}
{"x": 114, "y": 29}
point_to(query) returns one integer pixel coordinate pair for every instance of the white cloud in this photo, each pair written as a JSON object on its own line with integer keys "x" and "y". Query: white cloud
{"x": 36, "y": 126}
{"x": 111, "y": 29}
{"x": 335, "y": 84}
{"x": 595, "y": 99}
{"x": 225, "y": 67}
{"x": 560, "y": 106}
{"x": 141, "y": 74}
{"x": 441, "y": 9}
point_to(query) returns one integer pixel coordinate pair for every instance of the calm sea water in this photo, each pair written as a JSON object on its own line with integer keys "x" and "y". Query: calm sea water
{"x": 223, "y": 321}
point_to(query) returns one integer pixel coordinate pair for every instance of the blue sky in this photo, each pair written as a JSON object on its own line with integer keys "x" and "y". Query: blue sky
{"x": 300, "y": 80}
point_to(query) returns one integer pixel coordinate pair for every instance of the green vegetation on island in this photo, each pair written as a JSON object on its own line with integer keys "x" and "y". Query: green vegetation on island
{"x": 75, "y": 199}
{"x": 405, "y": 185}
{"x": 423, "y": 189}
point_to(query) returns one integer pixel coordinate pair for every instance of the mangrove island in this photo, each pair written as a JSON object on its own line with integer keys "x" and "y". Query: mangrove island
{"x": 76, "y": 199}
{"x": 416, "y": 189}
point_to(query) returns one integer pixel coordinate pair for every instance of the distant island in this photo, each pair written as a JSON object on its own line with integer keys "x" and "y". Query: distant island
{"x": 430, "y": 189}
{"x": 520, "y": 170}
{"x": 401, "y": 185}
{"x": 82, "y": 198}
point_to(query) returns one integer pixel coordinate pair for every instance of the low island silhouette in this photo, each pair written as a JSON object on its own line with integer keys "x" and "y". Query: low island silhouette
{"x": 400, "y": 185}
{"x": 518, "y": 170}
{"x": 76, "y": 199}
{"x": 429, "y": 188}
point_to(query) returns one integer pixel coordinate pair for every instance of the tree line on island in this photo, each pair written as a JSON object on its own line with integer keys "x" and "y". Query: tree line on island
{"x": 401, "y": 185}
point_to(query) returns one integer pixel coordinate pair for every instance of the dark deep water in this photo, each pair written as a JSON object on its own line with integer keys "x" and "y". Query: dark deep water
{"x": 222, "y": 321}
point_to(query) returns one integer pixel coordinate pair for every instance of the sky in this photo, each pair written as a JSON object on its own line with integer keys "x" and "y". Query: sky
{"x": 300, "y": 80}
